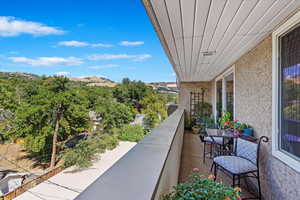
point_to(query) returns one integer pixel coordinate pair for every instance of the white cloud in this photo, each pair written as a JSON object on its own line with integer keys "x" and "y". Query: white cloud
{"x": 132, "y": 43}
{"x": 10, "y": 26}
{"x": 137, "y": 57}
{"x": 74, "y": 43}
{"x": 104, "y": 66}
{"x": 173, "y": 74}
{"x": 101, "y": 45}
{"x": 62, "y": 73}
{"x": 47, "y": 61}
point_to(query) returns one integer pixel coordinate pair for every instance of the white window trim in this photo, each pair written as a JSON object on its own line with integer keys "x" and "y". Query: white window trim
{"x": 284, "y": 157}
{"x": 230, "y": 70}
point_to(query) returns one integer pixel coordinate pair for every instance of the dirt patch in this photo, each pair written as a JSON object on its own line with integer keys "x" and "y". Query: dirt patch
{"x": 20, "y": 159}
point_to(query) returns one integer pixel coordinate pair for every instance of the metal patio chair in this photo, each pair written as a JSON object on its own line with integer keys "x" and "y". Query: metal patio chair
{"x": 209, "y": 141}
{"x": 243, "y": 163}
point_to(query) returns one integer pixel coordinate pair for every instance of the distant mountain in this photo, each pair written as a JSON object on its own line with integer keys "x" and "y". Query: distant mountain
{"x": 89, "y": 80}
{"x": 19, "y": 75}
{"x": 94, "y": 81}
{"x": 169, "y": 85}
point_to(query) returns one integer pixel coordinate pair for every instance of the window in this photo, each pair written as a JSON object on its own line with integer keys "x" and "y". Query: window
{"x": 224, "y": 93}
{"x": 229, "y": 93}
{"x": 289, "y": 93}
{"x": 219, "y": 99}
{"x": 286, "y": 93}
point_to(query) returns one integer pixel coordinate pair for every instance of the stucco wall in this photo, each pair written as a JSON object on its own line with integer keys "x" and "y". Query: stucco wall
{"x": 185, "y": 92}
{"x": 253, "y": 105}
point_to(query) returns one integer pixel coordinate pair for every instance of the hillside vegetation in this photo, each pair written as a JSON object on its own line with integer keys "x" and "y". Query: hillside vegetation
{"x": 46, "y": 113}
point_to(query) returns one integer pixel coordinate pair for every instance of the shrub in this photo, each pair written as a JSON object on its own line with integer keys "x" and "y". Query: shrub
{"x": 132, "y": 133}
{"x": 198, "y": 187}
{"x": 85, "y": 152}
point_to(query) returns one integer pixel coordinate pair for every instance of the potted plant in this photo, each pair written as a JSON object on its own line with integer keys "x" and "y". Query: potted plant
{"x": 226, "y": 121}
{"x": 247, "y": 130}
{"x": 197, "y": 127}
{"x": 198, "y": 187}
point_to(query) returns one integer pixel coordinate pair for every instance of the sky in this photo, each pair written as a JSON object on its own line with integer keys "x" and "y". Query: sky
{"x": 77, "y": 38}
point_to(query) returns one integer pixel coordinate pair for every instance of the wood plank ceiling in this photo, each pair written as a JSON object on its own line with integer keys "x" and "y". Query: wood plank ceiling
{"x": 204, "y": 37}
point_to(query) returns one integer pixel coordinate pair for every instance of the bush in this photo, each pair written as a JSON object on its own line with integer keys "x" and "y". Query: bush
{"x": 132, "y": 133}
{"x": 198, "y": 187}
{"x": 85, "y": 152}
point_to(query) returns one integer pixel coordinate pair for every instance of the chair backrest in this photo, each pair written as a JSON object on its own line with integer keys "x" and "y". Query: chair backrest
{"x": 249, "y": 150}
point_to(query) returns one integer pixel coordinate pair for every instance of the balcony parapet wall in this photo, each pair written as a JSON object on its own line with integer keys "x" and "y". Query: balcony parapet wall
{"x": 148, "y": 170}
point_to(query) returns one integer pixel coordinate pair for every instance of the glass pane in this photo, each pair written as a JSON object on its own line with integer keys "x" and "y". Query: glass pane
{"x": 290, "y": 93}
{"x": 219, "y": 98}
{"x": 229, "y": 94}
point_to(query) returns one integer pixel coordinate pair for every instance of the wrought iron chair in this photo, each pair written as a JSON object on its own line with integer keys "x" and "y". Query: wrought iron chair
{"x": 243, "y": 163}
{"x": 208, "y": 140}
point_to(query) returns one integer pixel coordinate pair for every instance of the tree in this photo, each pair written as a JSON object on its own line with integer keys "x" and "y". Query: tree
{"x": 52, "y": 114}
{"x": 132, "y": 133}
{"x": 114, "y": 114}
{"x": 154, "y": 107}
{"x": 131, "y": 92}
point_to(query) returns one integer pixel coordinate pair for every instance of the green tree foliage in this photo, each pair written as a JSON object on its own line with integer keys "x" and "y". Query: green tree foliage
{"x": 173, "y": 98}
{"x": 46, "y": 112}
{"x": 53, "y": 111}
{"x": 131, "y": 92}
{"x": 85, "y": 152}
{"x": 132, "y": 133}
{"x": 154, "y": 107}
{"x": 114, "y": 114}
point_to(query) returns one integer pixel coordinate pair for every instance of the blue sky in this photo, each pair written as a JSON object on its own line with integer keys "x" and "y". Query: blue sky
{"x": 114, "y": 39}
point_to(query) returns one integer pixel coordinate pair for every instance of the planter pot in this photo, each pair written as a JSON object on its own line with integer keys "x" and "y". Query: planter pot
{"x": 196, "y": 130}
{"x": 248, "y": 131}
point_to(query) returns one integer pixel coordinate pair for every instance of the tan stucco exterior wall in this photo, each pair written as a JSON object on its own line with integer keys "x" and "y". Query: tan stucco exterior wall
{"x": 185, "y": 92}
{"x": 253, "y": 105}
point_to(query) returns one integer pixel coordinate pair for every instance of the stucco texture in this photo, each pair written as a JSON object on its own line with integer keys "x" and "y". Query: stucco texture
{"x": 253, "y": 105}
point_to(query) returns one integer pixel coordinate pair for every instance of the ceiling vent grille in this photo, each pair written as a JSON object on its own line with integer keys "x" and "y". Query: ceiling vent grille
{"x": 208, "y": 53}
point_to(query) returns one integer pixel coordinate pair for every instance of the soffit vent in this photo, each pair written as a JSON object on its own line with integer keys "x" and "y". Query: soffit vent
{"x": 208, "y": 53}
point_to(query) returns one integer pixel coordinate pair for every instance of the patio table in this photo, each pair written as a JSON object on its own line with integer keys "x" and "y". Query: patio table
{"x": 226, "y": 135}
{"x": 229, "y": 136}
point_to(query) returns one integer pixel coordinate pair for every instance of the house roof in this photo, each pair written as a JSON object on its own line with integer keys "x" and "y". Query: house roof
{"x": 204, "y": 37}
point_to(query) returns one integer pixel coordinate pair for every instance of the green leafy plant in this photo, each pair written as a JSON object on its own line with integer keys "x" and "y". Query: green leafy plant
{"x": 85, "y": 152}
{"x": 226, "y": 120}
{"x": 198, "y": 187}
{"x": 132, "y": 133}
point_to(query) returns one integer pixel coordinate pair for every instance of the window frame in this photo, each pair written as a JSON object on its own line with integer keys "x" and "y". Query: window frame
{"x": 286, "y": 27}
{"x": 221, "y": 77}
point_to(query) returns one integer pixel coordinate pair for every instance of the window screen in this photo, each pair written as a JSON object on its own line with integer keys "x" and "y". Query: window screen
{"x": 289, "y": 94}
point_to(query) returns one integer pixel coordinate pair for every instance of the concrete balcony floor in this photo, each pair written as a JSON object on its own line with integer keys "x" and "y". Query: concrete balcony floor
{"x": 192, "y": 157}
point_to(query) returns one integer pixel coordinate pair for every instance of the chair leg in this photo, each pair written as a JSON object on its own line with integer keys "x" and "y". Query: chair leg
{"x": 259, "y": 189}
{"x": 211, "y": 150}
{"x": 204, "y": 152}
{"x": 212, "y": 166}
{"x": 239, "y": 180}
{"x": 233, "y": 180}
{"x": 215, "y": 171}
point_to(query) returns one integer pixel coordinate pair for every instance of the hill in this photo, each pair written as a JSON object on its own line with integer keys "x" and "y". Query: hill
{"x": 94, "y": 81}
{"x": 89, "y": 81}
{"x": 18, "y": 75}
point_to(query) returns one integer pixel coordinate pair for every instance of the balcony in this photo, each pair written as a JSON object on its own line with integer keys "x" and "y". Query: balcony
{"x": 154, "y": 165}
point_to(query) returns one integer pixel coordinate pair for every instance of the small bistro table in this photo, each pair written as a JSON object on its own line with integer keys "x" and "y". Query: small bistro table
{"x": 229, "y": 136}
